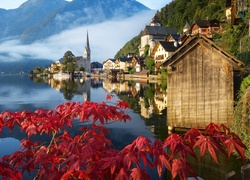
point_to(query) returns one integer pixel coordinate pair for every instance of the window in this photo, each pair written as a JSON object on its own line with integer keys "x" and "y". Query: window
{"x": 216, "y": 29}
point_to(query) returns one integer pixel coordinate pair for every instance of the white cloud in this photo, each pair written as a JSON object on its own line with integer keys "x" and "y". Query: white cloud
{"x": 105, "y": 40}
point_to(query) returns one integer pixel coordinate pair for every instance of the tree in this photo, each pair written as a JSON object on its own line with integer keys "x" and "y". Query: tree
{"x": 90, "y": 155}
{"x": 82, "y": 69}
{"x": 132, "y": 71}
{"x": 69, "y": 63}
{"x": 150, "y": 64}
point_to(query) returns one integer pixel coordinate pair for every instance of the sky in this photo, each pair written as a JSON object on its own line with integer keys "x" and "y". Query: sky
{"x": 105, "y": 40}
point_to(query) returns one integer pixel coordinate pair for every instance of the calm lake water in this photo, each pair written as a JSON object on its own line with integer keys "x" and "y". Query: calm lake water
{"x": 148, "y": 103}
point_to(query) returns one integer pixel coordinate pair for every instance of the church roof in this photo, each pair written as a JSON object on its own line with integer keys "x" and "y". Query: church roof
{"x": 77, "y": 58}
{"x": 159, "y": 30}
{"x": 187, "y": 26}
{"x": 155, "y": 19}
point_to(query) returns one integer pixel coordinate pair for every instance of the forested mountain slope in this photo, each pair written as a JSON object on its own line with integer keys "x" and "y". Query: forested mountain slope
{"x": 178, "y": 12}
{"x": 233, "y": 39}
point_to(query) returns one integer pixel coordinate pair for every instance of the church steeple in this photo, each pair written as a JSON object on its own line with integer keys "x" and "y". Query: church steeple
{"x": 87, "y": 49}
{"x": 87, "y": 56}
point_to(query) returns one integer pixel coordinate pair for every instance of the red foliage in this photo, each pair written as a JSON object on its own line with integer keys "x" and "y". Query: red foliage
{"x": 91, "y": 156}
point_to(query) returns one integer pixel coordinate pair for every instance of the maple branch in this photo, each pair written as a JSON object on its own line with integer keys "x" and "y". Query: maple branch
{"x": 54, "y": 133}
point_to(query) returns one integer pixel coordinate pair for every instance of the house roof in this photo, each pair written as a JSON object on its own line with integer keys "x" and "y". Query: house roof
{"x": 112, "y": 60}
{"x": 207, "y": 23}
{"x": 204, "y": 42}
{"x": 96, "y": 65}
{"x": 228, "y": 3}
{"x": 125, "y": 59}
{"x": 159, "y": 30}
{"x": 174, "y": 36}
{"x": 168, "y": 46}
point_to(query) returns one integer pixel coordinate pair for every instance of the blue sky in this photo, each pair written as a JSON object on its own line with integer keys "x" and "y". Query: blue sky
{"x": 153, "y": 4}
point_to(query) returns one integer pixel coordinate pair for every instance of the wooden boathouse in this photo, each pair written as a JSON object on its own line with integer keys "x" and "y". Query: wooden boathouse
{"x": 202, "y": 79}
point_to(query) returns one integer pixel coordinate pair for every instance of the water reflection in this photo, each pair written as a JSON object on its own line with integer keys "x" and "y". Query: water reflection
{"x": 149, "y": 108}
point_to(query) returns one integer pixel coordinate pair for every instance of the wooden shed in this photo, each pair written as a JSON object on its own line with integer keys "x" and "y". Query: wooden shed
{"x": 201, "y": 84}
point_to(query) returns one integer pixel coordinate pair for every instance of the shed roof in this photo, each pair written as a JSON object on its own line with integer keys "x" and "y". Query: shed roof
{"x": 204, "y": 42}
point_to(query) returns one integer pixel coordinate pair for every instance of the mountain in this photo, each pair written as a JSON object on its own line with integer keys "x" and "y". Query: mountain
{"x": 25, "y": 66}
{"x": 38, "y": 19}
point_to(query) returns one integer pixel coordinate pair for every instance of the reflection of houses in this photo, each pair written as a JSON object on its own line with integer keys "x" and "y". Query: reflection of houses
{"x": 154, "y": 33}
{"x": 160, "y": 101}
{"x": 201, "y": 84}
{"x": 206, "y": 27}
{"x": 146, "y": 109}
{"x": 82, "y": 86}
{"x": 120, "y": 87}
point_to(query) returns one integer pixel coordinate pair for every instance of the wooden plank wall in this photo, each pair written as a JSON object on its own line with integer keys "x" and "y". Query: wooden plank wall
{"x": 200, "y": 89}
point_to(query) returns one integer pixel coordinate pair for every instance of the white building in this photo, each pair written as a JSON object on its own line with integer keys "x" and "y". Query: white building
{"x": 154, "y": 33}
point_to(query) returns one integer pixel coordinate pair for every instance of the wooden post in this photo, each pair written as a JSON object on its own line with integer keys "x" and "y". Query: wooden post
{"x": 230, "y": 176}
{"x": 249, "y": 27}
{"x": 245, "y": 172}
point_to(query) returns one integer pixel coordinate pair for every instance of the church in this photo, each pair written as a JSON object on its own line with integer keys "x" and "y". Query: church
{"x": 84, "y": 61}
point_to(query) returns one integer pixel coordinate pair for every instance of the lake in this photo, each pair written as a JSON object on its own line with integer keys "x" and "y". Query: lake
{"x": 148, "y": 110}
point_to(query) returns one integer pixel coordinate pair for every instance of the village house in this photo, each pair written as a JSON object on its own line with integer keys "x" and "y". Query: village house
{"x": 202, "y": 83}
{"x": 228, "y": 9}
{"x": 96, "y": 67}
{"x": 236, "y": 11}
{"x": 206, "y": 27}
{"x": 163, "y": 50}
{"x": 55, "y": 67}
{"x": 108, "y": 65}
{"x": 124, "y": 64}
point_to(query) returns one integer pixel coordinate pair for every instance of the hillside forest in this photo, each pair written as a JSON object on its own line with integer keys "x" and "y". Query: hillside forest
{"x": 234, "y": 39}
